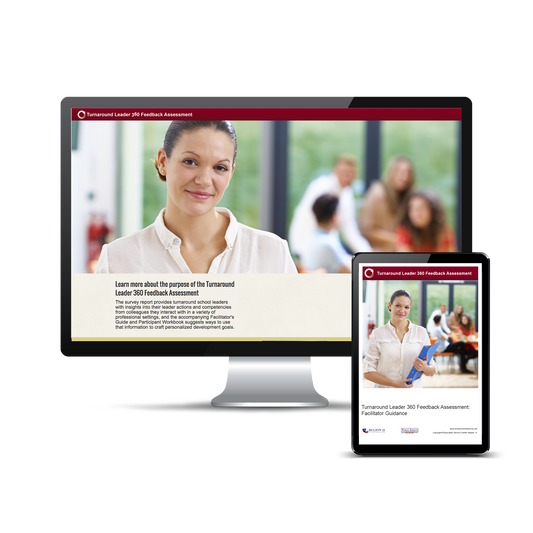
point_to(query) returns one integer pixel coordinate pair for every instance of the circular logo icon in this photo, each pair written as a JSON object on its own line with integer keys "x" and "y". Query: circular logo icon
{"x": 369, "y": 273}
{"x": 81, "y": 114}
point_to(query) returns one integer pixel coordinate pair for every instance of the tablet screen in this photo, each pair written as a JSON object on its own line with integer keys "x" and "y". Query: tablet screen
{"x": 430, "y": 312}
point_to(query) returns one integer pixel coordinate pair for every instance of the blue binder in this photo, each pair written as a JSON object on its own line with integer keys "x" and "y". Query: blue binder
{"x": 426, "y": 350}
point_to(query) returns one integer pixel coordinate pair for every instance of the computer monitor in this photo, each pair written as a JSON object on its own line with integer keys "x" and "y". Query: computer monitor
{"x": 314, "y": 180}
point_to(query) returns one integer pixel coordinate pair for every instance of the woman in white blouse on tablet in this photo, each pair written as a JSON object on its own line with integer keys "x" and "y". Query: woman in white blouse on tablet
{"x": 192, "y": 235}
{"x": 393, "y": 349}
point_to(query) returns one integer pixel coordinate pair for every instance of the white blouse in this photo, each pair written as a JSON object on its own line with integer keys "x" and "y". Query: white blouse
{"x": 156, "y": 250}
{"x": 391, "y": 358}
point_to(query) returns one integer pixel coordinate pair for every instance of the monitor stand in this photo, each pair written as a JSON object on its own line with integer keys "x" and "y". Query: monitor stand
{"x": 269, "y": 382}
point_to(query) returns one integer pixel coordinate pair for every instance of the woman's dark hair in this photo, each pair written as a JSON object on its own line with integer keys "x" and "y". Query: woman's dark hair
{"x": 469, "y": 323}
{"x": 397, "y": 293}
{"x": 431, "y": 235}
{"x": 178, "y": 127}
{"x": 325, "y": 207}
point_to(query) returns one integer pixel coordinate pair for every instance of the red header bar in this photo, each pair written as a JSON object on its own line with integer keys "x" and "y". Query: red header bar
{"x": 266, "y": 114}
{"x": 422, "y": 272}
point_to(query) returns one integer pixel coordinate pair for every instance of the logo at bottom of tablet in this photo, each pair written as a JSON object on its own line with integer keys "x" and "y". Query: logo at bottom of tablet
{"x": 409, "y": 430}
{"x": 365, "y": 430}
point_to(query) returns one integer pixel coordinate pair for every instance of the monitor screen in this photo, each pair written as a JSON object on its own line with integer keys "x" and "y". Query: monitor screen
{"x": 203, "y": 226}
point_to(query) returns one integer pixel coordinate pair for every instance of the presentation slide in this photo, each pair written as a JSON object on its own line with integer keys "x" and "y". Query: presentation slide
{"x": 241, "y": 224}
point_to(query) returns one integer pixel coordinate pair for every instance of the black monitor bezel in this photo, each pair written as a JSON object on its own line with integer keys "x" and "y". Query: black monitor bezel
{"x": 219, "y": 348}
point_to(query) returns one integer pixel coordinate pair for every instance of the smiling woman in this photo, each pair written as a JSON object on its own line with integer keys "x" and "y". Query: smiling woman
{"x": 393, "y": 349}
{"x": 192, "y": 234}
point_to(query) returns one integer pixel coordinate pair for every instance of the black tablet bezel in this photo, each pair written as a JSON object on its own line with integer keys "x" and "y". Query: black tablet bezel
{"x": 424, "y": 258}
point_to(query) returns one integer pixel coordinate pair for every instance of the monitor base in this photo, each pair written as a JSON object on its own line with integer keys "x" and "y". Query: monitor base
{"x": 269, "y": 382}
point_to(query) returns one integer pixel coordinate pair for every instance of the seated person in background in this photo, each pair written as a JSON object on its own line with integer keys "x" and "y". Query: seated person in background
{"x": 466, "y": 328}
{"x": 339, "y": 183}
{"x": 435, "y": 331}
{"x": 384, "y": 204}
{"x": 455, "y": 318}
{"x": 459, "y": 348}
{"x": 324, "y": 250}
{"x": 423, "y": 227}
{"x": 442, "y": 312}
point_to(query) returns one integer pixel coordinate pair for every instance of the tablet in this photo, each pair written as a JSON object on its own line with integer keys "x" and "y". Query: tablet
{"x": 402, "y": 302}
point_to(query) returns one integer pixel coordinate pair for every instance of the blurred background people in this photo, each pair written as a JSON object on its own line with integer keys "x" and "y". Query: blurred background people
{"x": 436, "y": 332}
{"x": 468, "y": 333}
{"x": 423, "y": 227}
{"x": 324, "y": 249}
{"x": 466, "y": 326}
{"x": 441, "y": 311}
{"x": 384, "y": 204}
{"x": 339, "y": 183}
{"x": 455, "y": 318}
